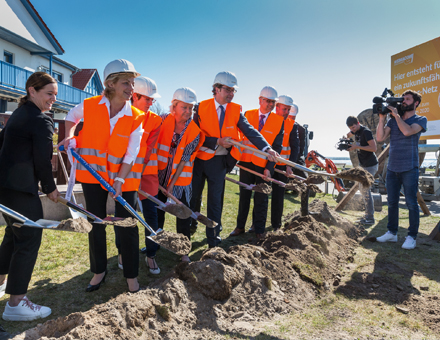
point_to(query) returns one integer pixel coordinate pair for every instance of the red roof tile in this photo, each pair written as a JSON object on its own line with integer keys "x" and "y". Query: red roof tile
{"x": 81, "y": 79}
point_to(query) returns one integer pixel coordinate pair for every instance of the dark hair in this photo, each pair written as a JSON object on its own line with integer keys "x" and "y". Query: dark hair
{"x": 352, "y": 120}
{"x": 37, "y": 80}
{"x": 216, "y": 86}
{"x": 417, "y": 97}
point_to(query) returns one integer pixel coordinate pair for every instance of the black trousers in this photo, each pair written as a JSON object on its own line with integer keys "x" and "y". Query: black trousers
{"x": 19, "y": 249}
{"x": 277, "y": 201}
{"x": 261, "y": 200}
{"x": 183, "y": 226}
{"x": 128, "y": 238}
{"x": 213, "y": 171}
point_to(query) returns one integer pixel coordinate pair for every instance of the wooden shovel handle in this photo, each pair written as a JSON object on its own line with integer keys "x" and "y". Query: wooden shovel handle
{"x": 262, "y": 176}
{"x": 290, "y": 176}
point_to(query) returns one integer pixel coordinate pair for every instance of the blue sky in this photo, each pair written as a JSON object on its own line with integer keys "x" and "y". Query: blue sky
{"x": 332, "y": 57}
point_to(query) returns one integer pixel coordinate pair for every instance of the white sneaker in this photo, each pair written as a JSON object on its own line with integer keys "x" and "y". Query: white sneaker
{"x": 3, "y": 289}
{"x": 25, "y": 311}
{"x": 388, "y": 237}
{"x": 410, "y": 243}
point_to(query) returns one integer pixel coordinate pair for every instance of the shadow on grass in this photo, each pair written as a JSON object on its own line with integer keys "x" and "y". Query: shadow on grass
{"x": 388, "y": 278}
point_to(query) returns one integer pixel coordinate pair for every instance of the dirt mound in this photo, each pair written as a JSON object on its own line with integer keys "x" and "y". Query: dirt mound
{"x": 224, "y": 292}
{"x": 174, "y": 242}
{"x": 79, "y": 225}
{"x": 357, "y": 174}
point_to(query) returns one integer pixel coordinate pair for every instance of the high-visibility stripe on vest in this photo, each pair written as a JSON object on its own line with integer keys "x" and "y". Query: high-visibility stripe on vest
{"x": 163, "y": 148}
{"x": 270, "y": 130}
{"x": 151, "y": 122}
{"x": 209, "y": 124}
{"x": 105, "y": 152}
{"x": 285, "y": 150}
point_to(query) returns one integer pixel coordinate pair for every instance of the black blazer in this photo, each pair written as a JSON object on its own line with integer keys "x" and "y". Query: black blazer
{"x": 26, "y": 151}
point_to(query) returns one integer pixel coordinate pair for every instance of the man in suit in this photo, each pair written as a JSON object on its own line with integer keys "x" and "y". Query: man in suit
{"x": 271, "y": 126}
{"x": 220, "y": 119}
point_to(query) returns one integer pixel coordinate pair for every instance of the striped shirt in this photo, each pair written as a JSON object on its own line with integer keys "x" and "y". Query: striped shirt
{"x": 165, "y": 174}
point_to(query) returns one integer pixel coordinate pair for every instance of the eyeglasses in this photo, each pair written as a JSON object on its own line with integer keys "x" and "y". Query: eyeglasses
{"x": 229, "y": 89}
{"x": 269, "y": 101}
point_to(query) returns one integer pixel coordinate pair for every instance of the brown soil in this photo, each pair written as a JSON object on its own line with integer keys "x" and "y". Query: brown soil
{"x": 206, "y": 221}
{"x": 357, "y": 174}
{"x": 122, "y": 222}
{"x": 224, "y": 292}
{"x": 315, "y": 179}
{"x": 78, "y": 225}
{"x": 176, "y": 243}
{"x": 301, "y": 186}
{"x": 263, "y": 188}
{"x": 179, "y": 210}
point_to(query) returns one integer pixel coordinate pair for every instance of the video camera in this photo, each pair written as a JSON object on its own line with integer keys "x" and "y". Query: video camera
{"x": 380, "y": 108}
{"x": 344, "y": 144}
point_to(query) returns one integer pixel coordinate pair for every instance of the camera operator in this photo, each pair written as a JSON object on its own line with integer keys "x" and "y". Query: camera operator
{"x": 366, "y": 146}
{"x": 403, "y": 164}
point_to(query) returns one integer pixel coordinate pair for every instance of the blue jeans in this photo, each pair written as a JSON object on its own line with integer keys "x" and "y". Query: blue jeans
{"x": 410, "y": 181}
{"x": 368, "y": 198}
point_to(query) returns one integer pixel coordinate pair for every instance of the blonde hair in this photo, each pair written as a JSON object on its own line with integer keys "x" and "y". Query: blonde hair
{"x": 173, "y": 105}
{"x": 113, "y": 79}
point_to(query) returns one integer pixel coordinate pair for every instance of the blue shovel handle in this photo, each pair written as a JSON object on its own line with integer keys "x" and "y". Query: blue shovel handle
{"x": 110, "y": 189}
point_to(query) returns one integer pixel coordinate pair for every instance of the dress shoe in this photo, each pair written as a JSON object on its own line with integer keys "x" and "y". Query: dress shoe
{"x": 92, "y": 288}
{"x": 251, "y": 229}
{"x": 155, "y": 270}
{"x": 132, "y": 291}
{"x": 236, "y": 232}
{"x": 143, "y": 250}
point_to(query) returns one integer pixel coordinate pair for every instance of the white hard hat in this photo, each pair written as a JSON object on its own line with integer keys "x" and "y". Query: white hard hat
{"x": 120, "y": 66}
{"x": 269, "y": 92}
{"x": 146, "y": 87}
{"x": 186, "y": 95}
{"x": 294, "y": 110}
{"x": 286, "y": 100}
{"x": 226, "y": 78}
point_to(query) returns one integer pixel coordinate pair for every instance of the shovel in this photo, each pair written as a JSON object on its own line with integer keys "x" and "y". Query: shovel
{"x": 281, "y": 184}
{"x": 24, "y": 221}
{"x": 251, "y": 187}
{"x": 177, "y": 210}
{"x": 73, "y": 212}
{"x": 282, "y": 160}
{"x": 195, "y": 215}
{"x": 124, "y": 203}
{"x": 76, "y": 208}
{"x": 290, "y": 176}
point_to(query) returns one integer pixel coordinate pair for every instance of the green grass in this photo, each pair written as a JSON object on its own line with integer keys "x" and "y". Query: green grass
{"x": 62, "y": 273}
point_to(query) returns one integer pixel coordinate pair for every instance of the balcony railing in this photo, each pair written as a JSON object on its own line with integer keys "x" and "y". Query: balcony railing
{"x": 15, "y": 77}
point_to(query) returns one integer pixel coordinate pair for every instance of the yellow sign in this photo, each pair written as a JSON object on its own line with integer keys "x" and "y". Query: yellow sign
{"x": 418, "y": 69}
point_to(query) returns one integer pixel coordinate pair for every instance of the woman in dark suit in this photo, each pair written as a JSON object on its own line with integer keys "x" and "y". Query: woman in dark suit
{"x": 25, "y": 159}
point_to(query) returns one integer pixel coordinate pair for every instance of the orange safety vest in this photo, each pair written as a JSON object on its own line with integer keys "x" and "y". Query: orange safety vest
{"x": 105, "y": 152}
{"x": 209, "y": 124}
{"x": 151, "y": 122}
{"x": 163, "y": 148}
{"x": 285, "y": 150}
{"x": 270, "y": 130}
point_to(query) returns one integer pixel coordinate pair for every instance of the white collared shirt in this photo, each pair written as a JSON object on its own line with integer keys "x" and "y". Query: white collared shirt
{"x": 220, "y": 149}
{"x": 77, "y": 113}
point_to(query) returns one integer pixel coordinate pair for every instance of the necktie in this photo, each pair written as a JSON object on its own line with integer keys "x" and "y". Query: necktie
{"x": 261, "y": 123}
{"x": 222, "y": 116}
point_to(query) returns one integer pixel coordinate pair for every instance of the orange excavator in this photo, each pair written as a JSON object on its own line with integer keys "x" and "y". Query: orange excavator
{"x": 313, "y": 157}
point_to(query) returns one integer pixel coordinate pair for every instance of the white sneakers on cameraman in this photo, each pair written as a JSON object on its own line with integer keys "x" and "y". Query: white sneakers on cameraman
{"x": 387, "y": 237}
{"x": 3, "y": 288}
{"x": 25, "y": 311}
{"x": 410, "y": 243}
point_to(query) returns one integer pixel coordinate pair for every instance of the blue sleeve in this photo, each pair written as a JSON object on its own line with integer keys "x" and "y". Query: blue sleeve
{"x": 423, "y": 122}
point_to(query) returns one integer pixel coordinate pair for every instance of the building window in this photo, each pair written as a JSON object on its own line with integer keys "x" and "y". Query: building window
{"x": 8, "y": 57}
{"x": 57, "y": 76}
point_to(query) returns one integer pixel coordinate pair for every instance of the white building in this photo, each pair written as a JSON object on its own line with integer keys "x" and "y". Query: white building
{"x": 27, "y": 45}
